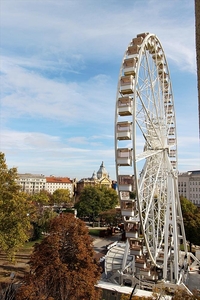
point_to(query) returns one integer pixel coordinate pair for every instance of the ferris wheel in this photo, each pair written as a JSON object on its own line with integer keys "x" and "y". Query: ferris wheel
{"x": 146, "y": 163}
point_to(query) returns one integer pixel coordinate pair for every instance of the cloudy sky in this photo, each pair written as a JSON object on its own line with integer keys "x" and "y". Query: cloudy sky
{"x": 59, "y": 69}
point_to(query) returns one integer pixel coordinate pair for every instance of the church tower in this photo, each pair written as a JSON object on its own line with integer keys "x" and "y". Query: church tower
{"x": 102, "y": 172}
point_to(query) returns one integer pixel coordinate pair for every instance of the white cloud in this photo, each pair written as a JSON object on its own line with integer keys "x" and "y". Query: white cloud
{"x": 28, "y": 93}
{"x": 99, "y": 29}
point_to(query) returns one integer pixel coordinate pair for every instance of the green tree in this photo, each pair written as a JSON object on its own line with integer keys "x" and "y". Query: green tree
{"x": 41, "y": 198}
{"x": 40, "y": 215}
{"x": 94, "y": 200}
{"x": 63, "y": 265}
{"x": 109, "y": 198}
{"x": 111, "y": 216}
{"x": 61, "y": 196}
{"x": 14, "y": 211}
{"x": 191, "y": 219}
{"x": 41, "y": 222}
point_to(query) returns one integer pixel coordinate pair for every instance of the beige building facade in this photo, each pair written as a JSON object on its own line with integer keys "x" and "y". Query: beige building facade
{"x": 53, "y": 183}
{"x": 189, "y": 186}
{"x": 34, "y": 183}
{"x": 31, "y": 183}
{"x": 99, "y": 178}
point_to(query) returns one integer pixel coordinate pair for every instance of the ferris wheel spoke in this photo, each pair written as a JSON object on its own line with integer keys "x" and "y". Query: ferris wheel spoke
{"x": 151, "y": 80}
{"x": 146, "y": 154}
{"x": 148, "y": 193}
{"x": 151, "y": 122}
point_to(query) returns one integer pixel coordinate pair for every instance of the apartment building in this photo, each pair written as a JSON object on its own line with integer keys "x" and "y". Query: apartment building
{"x": 31, "y": 183}
{"x": 34, "y": 183}
{"x": 54, "y": 183}
{"x": 189, "y": 186}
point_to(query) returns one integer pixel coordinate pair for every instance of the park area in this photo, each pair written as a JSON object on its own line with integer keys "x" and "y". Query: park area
{"x": 14, "y": 271}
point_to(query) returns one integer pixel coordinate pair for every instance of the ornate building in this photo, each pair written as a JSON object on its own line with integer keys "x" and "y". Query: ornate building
{"x": 100, "y": 178}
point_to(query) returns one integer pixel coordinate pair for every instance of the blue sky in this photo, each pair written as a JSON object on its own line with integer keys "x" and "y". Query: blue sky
{"x": 59, "y": 69}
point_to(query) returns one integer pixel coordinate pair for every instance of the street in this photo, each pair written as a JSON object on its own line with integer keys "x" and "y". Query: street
{"x": 101, "y": 243}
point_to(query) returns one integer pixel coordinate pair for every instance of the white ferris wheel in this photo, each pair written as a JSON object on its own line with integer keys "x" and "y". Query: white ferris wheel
{"x": 146, "y": 168}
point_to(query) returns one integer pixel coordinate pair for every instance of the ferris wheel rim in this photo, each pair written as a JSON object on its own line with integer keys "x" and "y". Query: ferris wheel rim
{"x": 159, "y": 149}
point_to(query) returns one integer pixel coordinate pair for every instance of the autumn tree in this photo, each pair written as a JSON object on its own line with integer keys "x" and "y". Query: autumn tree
{"x": 191, "y": 219}
{"x": 14, "y": 211}
{"x": 94, "y": 200}
{"x": 62, "y": 266}
{"x": 61, "y": 196}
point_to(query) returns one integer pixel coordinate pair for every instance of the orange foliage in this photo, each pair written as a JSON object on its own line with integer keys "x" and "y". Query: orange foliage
{"x": 62, "y": 266}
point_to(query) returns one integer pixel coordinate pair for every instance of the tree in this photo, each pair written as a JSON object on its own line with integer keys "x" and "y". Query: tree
{"x": 94, "y": 200}
{"x": 109, "y": 198}
{"x": 40, "y": 215}
{"x": 111, "y": 216}
{"x": 41, "y": 198}
{"x": 191, "y": 219}
{"x": 14, "y": 211}
{"x": 61, "y": 196}
{"x": 63, "y": 266}
{"x": 41, "y": 223}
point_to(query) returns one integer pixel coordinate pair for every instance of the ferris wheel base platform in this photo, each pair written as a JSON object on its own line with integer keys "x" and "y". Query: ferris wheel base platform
{"x": 113, "y": 290}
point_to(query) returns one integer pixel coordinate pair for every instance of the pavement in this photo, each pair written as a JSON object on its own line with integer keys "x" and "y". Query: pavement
{"x": 193, "y": 281}
{"x": 100, "y": 244}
